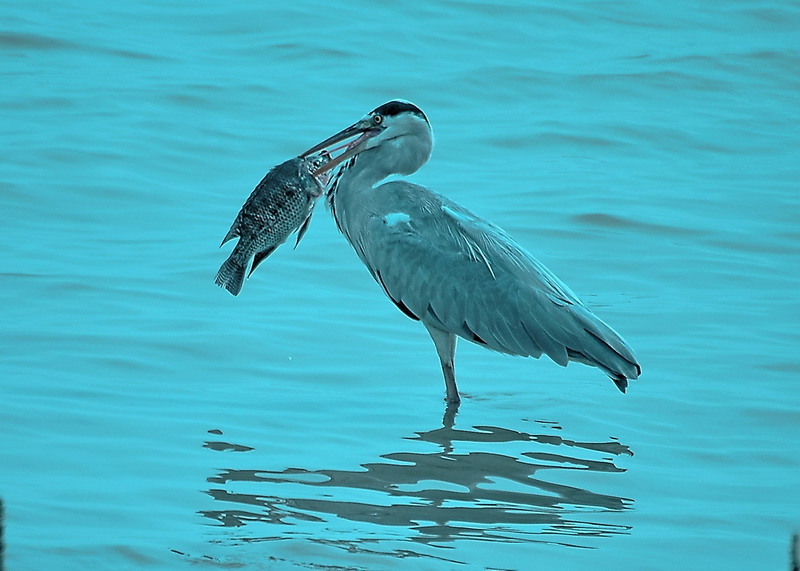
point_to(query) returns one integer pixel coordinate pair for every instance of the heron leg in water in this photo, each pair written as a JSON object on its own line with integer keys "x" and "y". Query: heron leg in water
{"x": 449, "y": 419}
{"x": 446, "y": 348}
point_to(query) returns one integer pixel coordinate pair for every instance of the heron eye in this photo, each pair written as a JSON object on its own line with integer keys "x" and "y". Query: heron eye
{"x": 377, "y": 118}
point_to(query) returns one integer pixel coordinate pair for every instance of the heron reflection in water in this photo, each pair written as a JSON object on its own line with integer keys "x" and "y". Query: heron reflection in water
{"x": 485, "y": 483}
{"x": 458, "y": 274}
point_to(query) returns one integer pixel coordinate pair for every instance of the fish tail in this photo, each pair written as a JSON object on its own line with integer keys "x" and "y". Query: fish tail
{"x": 231, "y": 275}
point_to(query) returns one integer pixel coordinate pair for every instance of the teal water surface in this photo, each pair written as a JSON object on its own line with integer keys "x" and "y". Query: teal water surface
{"x": 646, "y": 152}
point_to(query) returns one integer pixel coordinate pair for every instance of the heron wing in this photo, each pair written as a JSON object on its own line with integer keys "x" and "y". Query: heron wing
{"x": 444, "y": 265}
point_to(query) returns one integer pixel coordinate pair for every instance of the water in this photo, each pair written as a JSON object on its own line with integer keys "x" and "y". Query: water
{"x": 646, "y": 152}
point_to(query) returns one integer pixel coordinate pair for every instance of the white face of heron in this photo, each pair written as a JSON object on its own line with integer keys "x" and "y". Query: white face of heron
{"x": 405, "y": 140}
{"x": 395, "y": 138}
{"x": 404, "y": 124}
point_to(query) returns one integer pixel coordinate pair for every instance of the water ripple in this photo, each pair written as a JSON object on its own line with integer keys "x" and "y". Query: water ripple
{"x": 472, "y": 487}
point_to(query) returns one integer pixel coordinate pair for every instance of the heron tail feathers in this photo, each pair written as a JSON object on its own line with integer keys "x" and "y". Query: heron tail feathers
{"x": 602, "y": 347}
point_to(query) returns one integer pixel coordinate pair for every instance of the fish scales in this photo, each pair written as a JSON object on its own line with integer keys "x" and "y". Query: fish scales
{"x": 281, "y": 203}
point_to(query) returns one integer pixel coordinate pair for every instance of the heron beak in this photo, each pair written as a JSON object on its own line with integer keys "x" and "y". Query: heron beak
{"x": 359, "y": 132}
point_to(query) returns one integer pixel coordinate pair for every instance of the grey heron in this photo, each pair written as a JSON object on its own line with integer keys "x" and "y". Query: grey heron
{"x": 457, "y": 273}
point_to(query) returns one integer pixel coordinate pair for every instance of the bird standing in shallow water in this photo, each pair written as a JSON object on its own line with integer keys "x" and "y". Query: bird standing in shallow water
{"x": 458, "y": 274}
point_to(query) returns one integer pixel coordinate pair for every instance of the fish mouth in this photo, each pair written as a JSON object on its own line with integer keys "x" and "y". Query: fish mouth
{"x": 322, "y": 178}
{"x": 358, "y": 135}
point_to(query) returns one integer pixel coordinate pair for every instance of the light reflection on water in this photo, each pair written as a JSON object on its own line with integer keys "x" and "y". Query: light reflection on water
{"x": 470, "y": 486}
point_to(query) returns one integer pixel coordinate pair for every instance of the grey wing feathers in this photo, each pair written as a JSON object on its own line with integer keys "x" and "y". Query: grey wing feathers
{"x": 462, "y": 274}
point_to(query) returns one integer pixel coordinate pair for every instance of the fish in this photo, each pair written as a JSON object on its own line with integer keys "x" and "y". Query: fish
{"x": 281, "y": 203}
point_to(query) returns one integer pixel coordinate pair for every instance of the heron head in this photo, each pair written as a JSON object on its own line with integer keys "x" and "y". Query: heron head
{"x": 398, "y": 128}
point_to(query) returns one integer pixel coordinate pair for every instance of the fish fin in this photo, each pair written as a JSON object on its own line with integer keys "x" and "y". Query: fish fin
{"x": 260, "y": 257}
{"x": 231, "y": 275}
{"x": 303, "y": 229}
{"x": 232, "y": 233}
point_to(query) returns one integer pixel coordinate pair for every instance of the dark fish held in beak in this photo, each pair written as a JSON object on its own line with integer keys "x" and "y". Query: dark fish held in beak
{"x": 282, "y": 202}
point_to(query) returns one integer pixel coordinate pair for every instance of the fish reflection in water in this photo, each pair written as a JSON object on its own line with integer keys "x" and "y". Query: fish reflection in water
{"x": 440, "y": 496}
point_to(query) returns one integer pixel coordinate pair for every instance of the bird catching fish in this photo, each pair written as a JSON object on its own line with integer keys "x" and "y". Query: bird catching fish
{"x": 457, "y": 273}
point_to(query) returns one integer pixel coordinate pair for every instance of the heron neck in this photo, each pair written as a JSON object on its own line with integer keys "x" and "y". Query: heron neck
{"x": 366, "y": 170}
{"x": 352, "y": 192}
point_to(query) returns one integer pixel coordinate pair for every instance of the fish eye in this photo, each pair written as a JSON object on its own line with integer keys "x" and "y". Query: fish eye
{"x": 377, "y": 118}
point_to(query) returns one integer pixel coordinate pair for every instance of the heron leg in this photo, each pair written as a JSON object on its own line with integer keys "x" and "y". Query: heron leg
{"x": 449, "y": 420}
{"x": 445, "y": 343}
